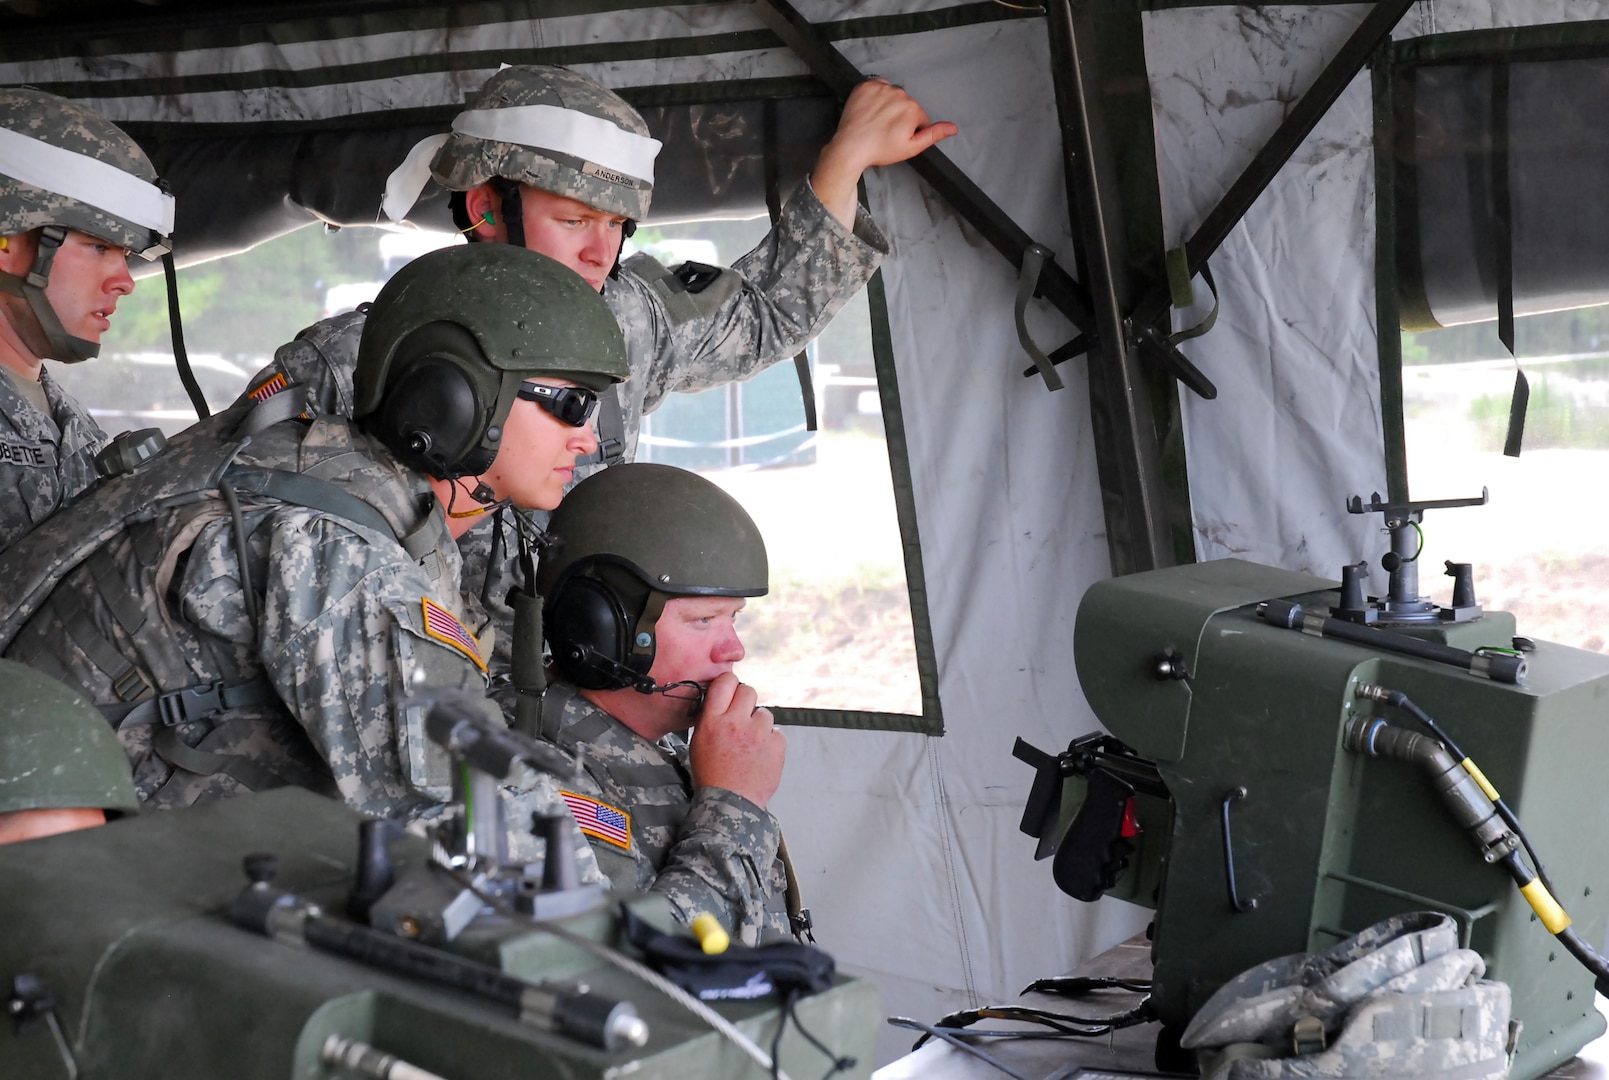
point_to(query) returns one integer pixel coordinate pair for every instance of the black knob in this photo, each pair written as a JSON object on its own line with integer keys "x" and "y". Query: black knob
{"x": 1390, "y": 561}
{"x": 261, "y": 867}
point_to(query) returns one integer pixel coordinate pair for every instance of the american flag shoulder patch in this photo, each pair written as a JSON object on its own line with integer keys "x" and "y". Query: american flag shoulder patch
{"x": 269, "y": 387}
{"x": 600, "y": 819}
{"x": 443, "y": 626}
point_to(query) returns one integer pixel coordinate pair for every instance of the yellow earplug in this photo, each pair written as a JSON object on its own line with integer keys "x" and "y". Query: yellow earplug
{"x": 711, "y": 937}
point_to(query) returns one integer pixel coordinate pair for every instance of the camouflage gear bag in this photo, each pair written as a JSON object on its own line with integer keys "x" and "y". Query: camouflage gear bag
{"x": 1399, "y": 999}
{"x": 548, "y": 127}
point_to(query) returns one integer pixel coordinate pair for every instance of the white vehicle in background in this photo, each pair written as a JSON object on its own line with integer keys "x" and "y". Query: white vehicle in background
{"x": 397, "y": 248}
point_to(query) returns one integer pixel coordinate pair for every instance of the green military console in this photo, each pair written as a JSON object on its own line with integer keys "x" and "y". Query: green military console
{"x": 122, "y": 960}
{"x": 1246, "y": 790}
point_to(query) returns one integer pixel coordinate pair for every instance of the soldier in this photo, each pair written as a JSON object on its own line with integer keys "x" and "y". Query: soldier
{"x": 61, "y": 768}
{"x": 648, "y": 568}
{"x": 549, "y": 159}
{"x": 77, "y": 197}
{"x": 254, "y": 606}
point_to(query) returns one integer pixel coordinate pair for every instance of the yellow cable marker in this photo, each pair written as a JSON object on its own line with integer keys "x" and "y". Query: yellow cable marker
{"x": 713, "y": 939}
{"x": 1480, "y": 778}
{"x": 1547, "y": 909}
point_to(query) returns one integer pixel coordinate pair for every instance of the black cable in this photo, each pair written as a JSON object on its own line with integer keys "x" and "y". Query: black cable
{"x": 499, "y": 545}
{"x": 1522, "y": 875}
{"x": 1079, "y": 985}
{"x": 181, "y": 358}
{"x": 1402, "y": 701}
{"x": 956, "y": 1041}
{"x": 840, "y": 1062}
{"x": 776, "y": 1040}
{"x": 247, "y": 596}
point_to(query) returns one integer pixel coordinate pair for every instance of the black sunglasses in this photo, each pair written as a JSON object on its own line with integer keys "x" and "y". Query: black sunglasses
{"x": 568, "y": 404}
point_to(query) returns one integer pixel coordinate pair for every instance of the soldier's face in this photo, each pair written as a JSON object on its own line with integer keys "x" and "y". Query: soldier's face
{"x": 696, "y": 639}
{"x": 537, "y": 458}
{"x": 582, "y": 238}
{"x": 87, "y": 278}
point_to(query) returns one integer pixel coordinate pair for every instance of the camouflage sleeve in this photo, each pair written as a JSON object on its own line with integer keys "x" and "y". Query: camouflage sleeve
{"x": 322, "y": 358}
{"x": 696, "y": 327}
{"x": 528, "y": 792}
{"x": 348, "y": 622}
{"x": 724, "y": 862}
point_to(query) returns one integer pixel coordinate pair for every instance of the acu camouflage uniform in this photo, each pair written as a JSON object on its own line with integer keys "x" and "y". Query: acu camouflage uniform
{"x": 686, "y": 329}
{"x": 705, "y": 850}
{"x": 44, "y": 460}
{"x": 316, "y": 676}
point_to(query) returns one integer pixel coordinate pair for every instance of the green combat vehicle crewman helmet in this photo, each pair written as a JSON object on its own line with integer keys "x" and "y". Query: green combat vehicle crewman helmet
{"x": 548, "y": 127}
{"x": 454, "y": 334}
{"x": 622, "y": 543}
{"x": 64, "y": 166}
{"x": 57, "y": 752}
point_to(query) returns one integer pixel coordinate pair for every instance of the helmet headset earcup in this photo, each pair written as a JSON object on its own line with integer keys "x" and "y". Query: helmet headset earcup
{"x": 590, "y": 633}
{"x": 437, "y": 407}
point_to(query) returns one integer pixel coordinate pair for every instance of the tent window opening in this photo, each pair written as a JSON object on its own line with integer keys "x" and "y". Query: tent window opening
{"x": 237, "y": 310}
{"x": 1499, "y": 157}
{"x": 835, "y": 632}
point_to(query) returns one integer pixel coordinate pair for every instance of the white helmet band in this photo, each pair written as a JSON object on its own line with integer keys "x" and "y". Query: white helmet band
{"x": 87, "y": 180}
{"x": 603, "y": 147}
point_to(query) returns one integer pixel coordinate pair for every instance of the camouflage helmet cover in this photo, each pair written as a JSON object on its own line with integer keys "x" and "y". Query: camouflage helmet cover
{"x": 31, "y": 117}
{"x": 466, "y": 161}
{"x": 57, "y": 752}
{"x": 676, "y": 532}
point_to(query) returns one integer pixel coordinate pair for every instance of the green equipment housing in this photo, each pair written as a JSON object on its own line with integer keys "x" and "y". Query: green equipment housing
{"x": 122, "y": 962}
{"x": 1245, "y": 820}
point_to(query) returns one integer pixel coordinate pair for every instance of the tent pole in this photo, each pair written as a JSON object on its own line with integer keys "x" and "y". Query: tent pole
{"x": 1115, "y": 209}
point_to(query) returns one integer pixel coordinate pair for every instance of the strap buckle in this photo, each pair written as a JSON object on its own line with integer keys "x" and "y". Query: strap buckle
{"x": 802, "y": 925}
{"x": 192, "y": 703}
{"x": 1307, "y": 1035}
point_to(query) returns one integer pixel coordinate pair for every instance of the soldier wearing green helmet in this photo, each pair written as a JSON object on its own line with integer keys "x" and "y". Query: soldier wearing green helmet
{"x": 77, "y": 198}
{"x": 61, "y": 768}
{"x": 256, "y": 605}
{"x": 647, "y": 569}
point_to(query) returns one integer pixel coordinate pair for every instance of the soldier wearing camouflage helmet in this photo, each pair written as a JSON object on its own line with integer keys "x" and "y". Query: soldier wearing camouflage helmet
{"x": 298, "y": 581}
{"x": 647, "y": 569}
{"x": 77, "y": 197}
{"x": 549, "y": 159}
{"x": 61, "y": 768}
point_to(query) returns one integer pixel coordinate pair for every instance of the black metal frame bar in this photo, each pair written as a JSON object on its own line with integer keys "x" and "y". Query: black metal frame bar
{"x": 982, "y": 213}
{"x": 1372, "y": 32}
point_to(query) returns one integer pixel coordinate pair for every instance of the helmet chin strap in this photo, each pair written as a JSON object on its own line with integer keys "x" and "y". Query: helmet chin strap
{"x": 63, "y": 346}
